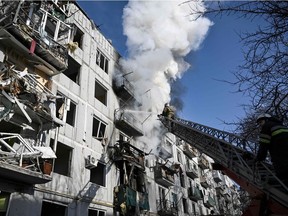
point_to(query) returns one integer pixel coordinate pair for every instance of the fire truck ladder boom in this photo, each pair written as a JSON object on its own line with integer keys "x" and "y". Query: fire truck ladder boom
{"x": 226, "y": 149}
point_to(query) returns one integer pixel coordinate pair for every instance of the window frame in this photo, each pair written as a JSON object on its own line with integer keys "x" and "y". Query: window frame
{"x": 99, "y": 86}
{"x": 99, "y": 126}
{"x": 102, "y": 61}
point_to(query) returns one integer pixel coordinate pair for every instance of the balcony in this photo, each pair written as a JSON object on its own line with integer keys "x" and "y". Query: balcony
{"x": 204, "y": 182}
{"x": 22, "y": 162}
{"x": 143, "y": 201}
{"x": 123, "y": 88}
{"x": 166, "y": 208}
{"x": 209, "y": 201}
{"x": 131, "y": 198}
{"x": 192, "y": 172}
{"x": 164, "y": 152}
{"x": 126, "y": 195}
{"x": 21, "y": 105}
{"x": 220, "y": 190}
{"x": 32, "y": 33}
{"x": 227, "y": 195}
{"x": 124, "y": 151}
{"x": 128, "y": 123}
{"x": 217, "y": 176}
{"x": 164, "y": 175}
{"x": 195, "y": 194}
{"x": 203, "y": 163}
{"x": 190, "y": 151}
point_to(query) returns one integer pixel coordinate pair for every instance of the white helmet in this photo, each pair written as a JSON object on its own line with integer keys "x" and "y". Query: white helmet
{"x": 263, "y": 116}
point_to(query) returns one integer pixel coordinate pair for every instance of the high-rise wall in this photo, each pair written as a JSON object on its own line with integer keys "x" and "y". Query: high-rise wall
{"x": 76, "y": 150}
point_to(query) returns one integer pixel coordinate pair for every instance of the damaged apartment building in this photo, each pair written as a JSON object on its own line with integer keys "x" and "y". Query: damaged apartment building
{"x": 66, "y": 147}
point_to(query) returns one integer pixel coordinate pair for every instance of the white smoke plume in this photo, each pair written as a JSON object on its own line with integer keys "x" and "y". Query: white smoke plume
{"x": 159, "y": 35}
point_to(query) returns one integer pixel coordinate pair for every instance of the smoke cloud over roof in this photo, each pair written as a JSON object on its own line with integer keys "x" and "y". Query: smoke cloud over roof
{"x": 159, "y": 35}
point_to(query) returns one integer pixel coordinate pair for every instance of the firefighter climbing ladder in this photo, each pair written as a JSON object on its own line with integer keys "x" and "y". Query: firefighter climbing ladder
{"x": 226, "y": 149}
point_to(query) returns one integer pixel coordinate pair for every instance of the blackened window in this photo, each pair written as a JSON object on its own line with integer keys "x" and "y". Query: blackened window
{"x": 71, "y": 114}
{"x": 78, "y": 37}
{"x": 185, "y": 205}
{"x": 100, "y": 93}
{"x": 54, "y": 209}
{"x": 62, "y": 164}
{"x": 98, "y": 174}
{"x": 73, "y": 70}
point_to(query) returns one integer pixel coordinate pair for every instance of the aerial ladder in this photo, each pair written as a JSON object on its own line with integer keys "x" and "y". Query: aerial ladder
{"x": 233, "y": 155}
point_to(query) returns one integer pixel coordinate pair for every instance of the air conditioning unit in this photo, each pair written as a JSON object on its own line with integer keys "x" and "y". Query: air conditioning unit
{"x": 90, "y": 162}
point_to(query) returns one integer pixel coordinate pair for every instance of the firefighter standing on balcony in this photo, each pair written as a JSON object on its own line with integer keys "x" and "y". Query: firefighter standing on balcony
{"x": 274, "y": 138}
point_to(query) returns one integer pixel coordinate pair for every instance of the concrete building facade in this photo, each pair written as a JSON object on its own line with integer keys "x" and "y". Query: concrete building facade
{"x": 67, "y": 146}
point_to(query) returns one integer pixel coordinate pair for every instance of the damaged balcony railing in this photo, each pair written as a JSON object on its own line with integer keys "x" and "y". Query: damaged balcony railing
{"x": 164, "y": 175}
{"x": 24, "y": 100}
{"x": 190, "y": 150}
{"x": 22, "y": 161}
{"x": 166, "y": 208}
{"x": 128, "y": 123}
{"x": 38, "y": 30}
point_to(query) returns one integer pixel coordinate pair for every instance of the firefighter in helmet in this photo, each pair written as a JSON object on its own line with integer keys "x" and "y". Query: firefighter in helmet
{"x": 168, "y": 111}
{"x": 273, "y": 138}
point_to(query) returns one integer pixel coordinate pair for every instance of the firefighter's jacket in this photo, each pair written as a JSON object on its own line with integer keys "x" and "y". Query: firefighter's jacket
{"x": 168, "y": 112}
{"x": 274, "y": 138}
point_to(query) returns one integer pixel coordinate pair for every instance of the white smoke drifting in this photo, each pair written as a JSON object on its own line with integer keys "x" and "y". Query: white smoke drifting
{"x": 159, "y": 35}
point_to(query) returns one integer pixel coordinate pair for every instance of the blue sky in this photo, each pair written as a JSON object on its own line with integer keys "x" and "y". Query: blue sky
{"x": 206, "y": 100}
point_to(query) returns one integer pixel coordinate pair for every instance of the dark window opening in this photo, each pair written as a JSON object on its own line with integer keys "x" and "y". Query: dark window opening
{"x": 78, "y": 37}
{"x": 93, "y": 212}
{"x": 98, "y": 130}
{"x": 73, "y": 70}
{"x": 71, "y": 114}
{"x": 100, "y": 93}
{"x": 50, "y": 27}
{"x": 54, "y": 209}
{"x": 182, "y": 179}
{"x": 63, "y": 161}
{"x": 98, "y": 175}
{"x": 185, "y": 206}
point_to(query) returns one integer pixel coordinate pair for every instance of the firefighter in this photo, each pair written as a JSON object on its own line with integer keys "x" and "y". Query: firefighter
{"x": 273, "y": 138}
{"x": 168, "y": 111}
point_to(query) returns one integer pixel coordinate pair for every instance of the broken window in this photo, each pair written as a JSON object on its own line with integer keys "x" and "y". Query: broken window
{"x": 78, "y": 37}
{"x": 4, "y": 201}
{"x": 62, "y": 164}
{"x": 49, "y": 208}
{"x": 98, "y": 174}
{"x": 98, "y": 129}
{"x": 73, "y": 70}
{"x": 50, "y": 26}
{"x": 100, "y": 93}
{"x": 71, "y": 114}
{"x": 102, "y": 61}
